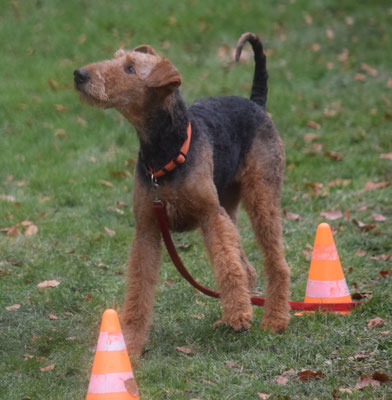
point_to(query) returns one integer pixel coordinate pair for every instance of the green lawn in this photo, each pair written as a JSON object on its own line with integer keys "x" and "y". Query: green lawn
{"x": 330, "y": 97}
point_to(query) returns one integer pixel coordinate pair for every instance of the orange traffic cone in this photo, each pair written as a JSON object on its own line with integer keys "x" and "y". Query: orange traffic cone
{"x": 112, "y": 374}
{"x": 326, "y": 281}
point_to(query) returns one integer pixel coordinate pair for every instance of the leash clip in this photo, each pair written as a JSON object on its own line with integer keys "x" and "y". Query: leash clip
{"x": 155, "y": 187}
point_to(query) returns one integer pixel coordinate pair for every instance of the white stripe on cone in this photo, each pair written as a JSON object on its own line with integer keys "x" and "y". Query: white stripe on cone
{"x": 110, "y": 341}
{"x": 109, "y": 383}
{"x": 326, "y": 289}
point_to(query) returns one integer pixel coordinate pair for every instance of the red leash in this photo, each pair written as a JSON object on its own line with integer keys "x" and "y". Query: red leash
{"x": 257, "y": 301}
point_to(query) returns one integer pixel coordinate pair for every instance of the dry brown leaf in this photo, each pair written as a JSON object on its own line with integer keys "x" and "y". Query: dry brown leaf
{"x": 53, "y": 84}
{"x": 31, "y": 230}
{"x": 308, "y": 375}
{"x": 329, "y": 33}
{"x": 365, "y": 381}
{"x": 81, "y": 121}
{"x": 264, "y": 396}
{"x": 360, "y": 77}
{"x": 387, "y": 156}
{"x": 384, "y": 273}
{"x": 332, "y": 214}
{"x": 186, "y": 350}
{"x": 131, "y": 386}
{"x": 13, "y": 231}
{"x": 369, "y": 185}
{"x": 378, "y": 217}
{"x": 315, "y": 47}
{"x": 389, "y": 83}
{"x": 281, "y": 380}
{"x": 231, "y": 364}
{"x": 368, "y": 69}
{"x": 360, "y": 253}
{"x": 292, "y": 216}
{"x": 349, "y": 20}
{"x": 378, "y": 376}
{"x": 308, "y": 19}
{"x": 313, "y": 124}
{"x": 13, "y": 307}
{"x": 381, "y": 257}
{"x": 109, "y": 231}
{"x": 82, "y": 38}
{"x": 106, "y": 183}
{"x": 48, "y": 368}
{"x": 375, "y": 322}
{"x": 53, "y": 316}
{"x": 61, "y": 108}
{"x": 339, "y": 182}
{"x": 343, "y": 56}
{"x": 51, "y": 283}
{"x": 334, "y": 155}
{"x": 346, "y": 390}
{"x": 60, "y": 133}
{"x": 309, "y": 137}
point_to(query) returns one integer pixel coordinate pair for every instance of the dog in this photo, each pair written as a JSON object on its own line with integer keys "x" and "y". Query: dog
{"x": 201, "y": 161}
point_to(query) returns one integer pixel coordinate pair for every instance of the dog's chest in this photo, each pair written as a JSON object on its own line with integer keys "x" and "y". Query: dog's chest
{"x": 181, "y": 215}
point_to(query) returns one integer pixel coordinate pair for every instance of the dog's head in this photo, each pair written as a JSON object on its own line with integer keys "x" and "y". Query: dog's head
{"x": 128, "y": 82}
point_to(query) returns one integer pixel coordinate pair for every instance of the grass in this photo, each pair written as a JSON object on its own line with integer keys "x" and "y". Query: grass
{"x": 53, "y": 159}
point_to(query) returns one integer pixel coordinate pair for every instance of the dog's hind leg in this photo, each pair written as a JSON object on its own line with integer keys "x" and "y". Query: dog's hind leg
{"x": 261, "y": 184}
{"x": 230, "y": 201}
{"x": 223, "y": 244}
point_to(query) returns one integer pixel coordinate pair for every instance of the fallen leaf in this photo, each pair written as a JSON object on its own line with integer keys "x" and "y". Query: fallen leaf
{"x": 61, "y": 108}
{"x": 332, "y": 214}
{"x": 264, "y": 396}
{"x": 369, "y": 185}
{"x": 131, "y": 386}
{"x": 291, "y": 216}
{"x": 10, "y": 199}
{"x": 186, "y": 350}
{"x": 378, "y": 217}
{"x": 384, "y": 273}
{"x": 231, "y": 364}
{"x": 329, "y": 33}
{"x": 13, "y": 231}
{"x": 343, "y": 56}
{"x": 385, "y": 333}
{"x": 334, "y": 155}
{"x": 53, "y": 84}
{"x": 362, "y": 295}
{"x": 349, "y": 20}
{"x": 109, "y": 231}
{"x": 48, "y": 368}
{"x": 308, "y": 19}
{"x": 53, "y": 316}
{"x": 106, "y": 183}
{"x": 313, "y": 124}
{"x": 370, "y": 70}
{"x": 360, "y": 253}
{"x": 122, "y": 174}
{"x": 81, "y": 121}
{"x": 281, "y": 380}
{"x": 365, "y": 381}
{"x": 82, "y": 38}
{"x": 360, "y": 77}
{"x": 52, "y": 283}
{"x": 13, "y": 307}
{"x": 375, "y": 322}
{"x": 339, "y": 182}
{"x": 307, "y": 375}
{"x": 378, "y": 376}
{"x": 309, "y": 137}
{"x": 389, "y": 83}
{"x": 31, "y": 230}
{"x": 387, "y": 156}
{"x": 381, "y": 257}
{"x": 60, "y": 133}
{"x": 345, "y": 390}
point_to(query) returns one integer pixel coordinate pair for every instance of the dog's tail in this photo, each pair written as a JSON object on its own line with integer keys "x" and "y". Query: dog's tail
{"x": 259, "y": 87}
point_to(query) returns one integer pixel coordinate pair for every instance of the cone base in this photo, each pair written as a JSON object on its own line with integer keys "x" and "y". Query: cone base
{"x": 329, "y": 300}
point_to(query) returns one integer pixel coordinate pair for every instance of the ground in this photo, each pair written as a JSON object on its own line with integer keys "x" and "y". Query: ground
{"x": 66, "y": 168}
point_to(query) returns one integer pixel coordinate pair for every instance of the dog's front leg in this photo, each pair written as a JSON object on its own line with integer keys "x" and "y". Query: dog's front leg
{"x": 143, "y": 267}
{"x": 223, "y": 243}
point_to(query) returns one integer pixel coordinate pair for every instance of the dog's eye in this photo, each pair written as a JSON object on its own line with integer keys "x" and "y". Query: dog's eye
{"x": 129, "y": 69}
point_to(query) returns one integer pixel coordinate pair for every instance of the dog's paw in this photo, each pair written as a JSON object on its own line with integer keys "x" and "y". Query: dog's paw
{"x": 274, "y": 324}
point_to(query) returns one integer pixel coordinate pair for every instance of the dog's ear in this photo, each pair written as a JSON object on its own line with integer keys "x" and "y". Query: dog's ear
{"x": 164, "y": 75}
{"x": 146, "y": 49}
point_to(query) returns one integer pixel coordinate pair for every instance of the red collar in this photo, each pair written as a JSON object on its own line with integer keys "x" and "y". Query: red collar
{"x": 180, "y": 159}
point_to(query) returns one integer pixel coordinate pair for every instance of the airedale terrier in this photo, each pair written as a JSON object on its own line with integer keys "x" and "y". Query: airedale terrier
{"x": 205, "y": 159}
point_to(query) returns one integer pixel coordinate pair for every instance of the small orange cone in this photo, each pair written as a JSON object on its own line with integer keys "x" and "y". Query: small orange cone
{"x": 326, "y": 281}
{"x": 112, "y": 374}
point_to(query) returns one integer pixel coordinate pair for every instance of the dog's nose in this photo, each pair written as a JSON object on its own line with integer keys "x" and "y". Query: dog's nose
{"x": 81, "y": 76}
